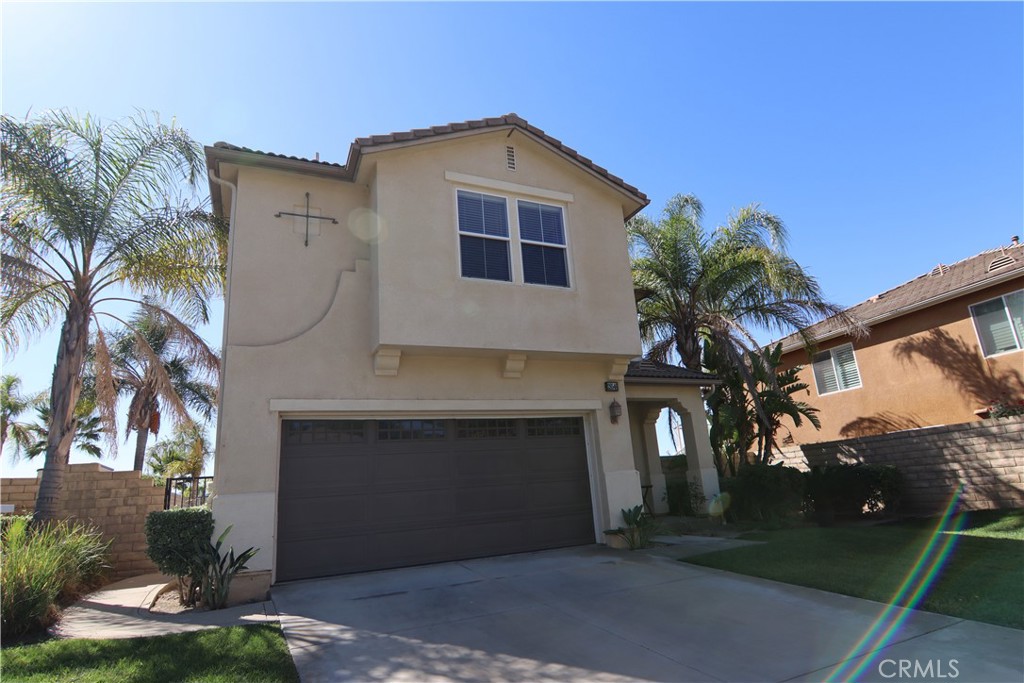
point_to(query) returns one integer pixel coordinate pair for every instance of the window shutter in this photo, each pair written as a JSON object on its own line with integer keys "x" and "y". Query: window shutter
{"x": 551, "y": 222}
{"x": 846, "y": 367}
{"x": 1015, "y": 306}
{"x": 495, "y": 216}
{"x": 471, "y": 212}
{"x": 825, "y": 374}
{"x": 994, "y": 327}
{"x": 471, "y": 250}
{"x": 530, "y": 224}
{"x": 555, "y": 272}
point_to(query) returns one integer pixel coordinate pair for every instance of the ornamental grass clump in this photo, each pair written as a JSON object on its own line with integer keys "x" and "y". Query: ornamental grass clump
{"x": 44, "y": 568}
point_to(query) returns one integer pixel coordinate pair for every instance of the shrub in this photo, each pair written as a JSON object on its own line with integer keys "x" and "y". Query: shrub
{"x": 173, "y": 539}
{"x": 638, "y": 530}
{"x": 848, "y": 491}
{"x": 764, "y": 493}
{"x": 44, "y": 568}
{"x": 218, "y": 570}
{"x": 685, "y": 498}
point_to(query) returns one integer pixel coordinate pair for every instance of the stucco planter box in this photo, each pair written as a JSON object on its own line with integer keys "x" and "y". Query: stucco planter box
{"x": 613, "y": 539}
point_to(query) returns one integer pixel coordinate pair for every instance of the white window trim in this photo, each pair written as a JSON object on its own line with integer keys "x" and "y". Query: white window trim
{"x": 459, "y": 232}
{"x": 514, "y": 239}
{"x": 568, "y": 256}
{"x": 508, "y": 188}
{"x": 835, "y": 369}
{"x": 1013, "y": 328}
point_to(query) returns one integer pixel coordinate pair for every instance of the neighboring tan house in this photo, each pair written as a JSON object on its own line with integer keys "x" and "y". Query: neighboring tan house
{"x": 941, "y": 348}
{"x": 432, "y": 365}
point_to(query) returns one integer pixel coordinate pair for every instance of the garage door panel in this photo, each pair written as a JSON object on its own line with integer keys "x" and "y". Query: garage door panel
{"x": 566, "y": 494}
{"x": 500, "y": 460}
{"x": 406, "y": 466}
{"x": 405, "y": 492}
{"x": 491, "y": 500}
{"x": 410, "y": 506}
{"x": 319, "y": 471}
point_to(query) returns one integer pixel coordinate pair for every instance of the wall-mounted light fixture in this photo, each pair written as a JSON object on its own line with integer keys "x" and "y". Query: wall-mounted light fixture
{"x": 615, "y": 411}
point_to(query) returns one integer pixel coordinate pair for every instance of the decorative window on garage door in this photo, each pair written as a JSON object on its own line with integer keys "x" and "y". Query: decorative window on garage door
{"x": 394, "y": 430}
{"x": 324, "y": 431}
{"x": 554, "y": 426}
{"x": 485, "y": 429}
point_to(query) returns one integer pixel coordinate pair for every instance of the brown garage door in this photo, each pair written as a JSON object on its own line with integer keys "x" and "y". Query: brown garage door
{"x": 357, "y": 495}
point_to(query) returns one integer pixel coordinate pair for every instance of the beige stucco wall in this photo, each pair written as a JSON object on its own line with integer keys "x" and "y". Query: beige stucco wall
{"x": 425, "y": 302}
{"x": 922, "y": 369}
{"x": 304, "y": 323}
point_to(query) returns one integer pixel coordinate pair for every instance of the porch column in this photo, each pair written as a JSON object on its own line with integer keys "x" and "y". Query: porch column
{"x": 659, "y": 502}
{"x": 700, "y": 459}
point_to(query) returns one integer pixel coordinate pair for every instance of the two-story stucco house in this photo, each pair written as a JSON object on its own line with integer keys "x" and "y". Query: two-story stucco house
{"x": 942, "y": 347}
{"x": 427, "y": 352}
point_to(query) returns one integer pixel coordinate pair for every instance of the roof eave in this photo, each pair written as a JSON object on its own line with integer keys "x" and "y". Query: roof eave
{"x": 920, "y": 305}
{"x": 673, "y": 380}
{"x": 359, "y": 149}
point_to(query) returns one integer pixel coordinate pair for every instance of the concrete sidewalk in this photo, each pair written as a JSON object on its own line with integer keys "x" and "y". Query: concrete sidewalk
{"x": 121, "y": 610}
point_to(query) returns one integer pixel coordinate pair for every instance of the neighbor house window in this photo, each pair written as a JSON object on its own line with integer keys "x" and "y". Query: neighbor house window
{"x": 1000, "y": 323}
{"x": 542, "y": 234}
{"x": 836, "y": 370}
{"x": 483, "y": 236}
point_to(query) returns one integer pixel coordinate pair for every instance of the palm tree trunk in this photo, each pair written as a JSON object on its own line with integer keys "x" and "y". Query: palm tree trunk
{"x": 140, "y": 447}
{"x": 64, "y": 391}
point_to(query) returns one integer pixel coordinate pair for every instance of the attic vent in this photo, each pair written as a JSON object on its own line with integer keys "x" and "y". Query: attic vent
{"x": 940, "y": 269}
{"x": 510, "y": 157}
{"x": 1000, "y": 262}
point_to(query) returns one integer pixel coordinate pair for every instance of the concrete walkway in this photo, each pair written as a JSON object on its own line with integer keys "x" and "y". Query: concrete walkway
{"x": 121, "y": 610}
{"x": 595, "y": 614}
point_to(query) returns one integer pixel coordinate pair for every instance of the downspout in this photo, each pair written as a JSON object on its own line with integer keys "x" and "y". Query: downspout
{"x": 227, "y": 297}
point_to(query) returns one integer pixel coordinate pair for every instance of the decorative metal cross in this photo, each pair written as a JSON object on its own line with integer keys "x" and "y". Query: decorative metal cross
{"x": 307, "y": 216}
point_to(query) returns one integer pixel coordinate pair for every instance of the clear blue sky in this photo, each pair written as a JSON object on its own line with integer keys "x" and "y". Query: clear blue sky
{"x": 889, "y": 137}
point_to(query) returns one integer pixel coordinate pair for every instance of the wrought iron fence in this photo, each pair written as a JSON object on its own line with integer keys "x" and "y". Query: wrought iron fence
{"x": 186, "y": 492}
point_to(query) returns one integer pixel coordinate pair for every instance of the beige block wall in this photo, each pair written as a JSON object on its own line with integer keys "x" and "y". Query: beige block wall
{"x": 116, "y": 503}
{"x": 986, "y": 456}
{"x": 919, "y": 370}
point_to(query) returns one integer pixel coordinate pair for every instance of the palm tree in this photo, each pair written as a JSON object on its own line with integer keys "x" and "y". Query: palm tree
{"x": 88, "y": 429}
{"x": 184, "y": 454}
{"x": 696, "y": 288}
{"x": 12, "y": 404}
{"x": 88, "y": 218}
{"x": 776, "y": 392}
{"x": 186, "y": 363}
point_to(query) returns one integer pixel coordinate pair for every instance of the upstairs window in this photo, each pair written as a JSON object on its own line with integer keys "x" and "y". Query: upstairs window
{"x": 1000, "y": 323}
{"x": 836, "y": 370}
{"x": 483, "y": 236}
{"x": 542, "y": 235}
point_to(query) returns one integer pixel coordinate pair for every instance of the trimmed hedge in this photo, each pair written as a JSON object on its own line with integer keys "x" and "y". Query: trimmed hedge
{"x": 764, "y": 493}
{"x": 848, "y": 491}
{"x": 172, "y": 537}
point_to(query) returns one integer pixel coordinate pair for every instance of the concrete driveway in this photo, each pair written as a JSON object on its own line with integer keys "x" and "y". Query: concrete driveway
{"x": 595, "y": 614}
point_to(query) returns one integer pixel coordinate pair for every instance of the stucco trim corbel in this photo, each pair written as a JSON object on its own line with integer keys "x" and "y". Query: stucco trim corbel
{"x": 515, "y": 363}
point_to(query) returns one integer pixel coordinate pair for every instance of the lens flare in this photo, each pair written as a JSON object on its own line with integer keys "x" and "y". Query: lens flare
{"x": 919, "y": 579}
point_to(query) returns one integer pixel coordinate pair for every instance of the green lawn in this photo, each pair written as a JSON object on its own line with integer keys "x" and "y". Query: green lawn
{"x": 221, "y": 655}
{"x": 982, "y": 579}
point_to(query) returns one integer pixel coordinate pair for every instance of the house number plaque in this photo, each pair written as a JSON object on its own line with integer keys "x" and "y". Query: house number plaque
{"x": 611, "y": 386}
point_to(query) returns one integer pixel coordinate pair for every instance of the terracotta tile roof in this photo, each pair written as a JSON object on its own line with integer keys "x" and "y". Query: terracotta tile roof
{"x": 644, "y": 369}
{"x": 248, "y": 150}
{"x": 510, "y": 119}
{"x": 942, "y": 283}
{"x": 349, "y": 168}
